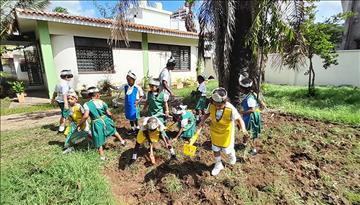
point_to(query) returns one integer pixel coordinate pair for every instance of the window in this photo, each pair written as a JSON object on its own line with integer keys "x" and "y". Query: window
{"x": 180, "y": 53}
{"x": 93, "y": 55}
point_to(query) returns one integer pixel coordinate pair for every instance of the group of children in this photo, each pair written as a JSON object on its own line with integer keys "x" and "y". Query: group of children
{"x": 223, "y": 117}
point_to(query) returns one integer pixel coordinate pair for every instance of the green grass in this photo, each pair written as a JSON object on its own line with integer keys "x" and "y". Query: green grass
{"x": 34, "y": 171}
{"x": 334, "y": 104}
{"x": 186, "y": 92}
{"x": 5, "y": 103}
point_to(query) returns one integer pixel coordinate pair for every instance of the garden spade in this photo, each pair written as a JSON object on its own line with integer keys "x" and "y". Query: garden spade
{"x": 189, "y": 148}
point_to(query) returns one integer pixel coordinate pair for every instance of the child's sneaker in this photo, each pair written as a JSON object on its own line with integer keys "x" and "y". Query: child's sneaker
{"x": 232, "y": 159}
{"x": 217, "y": 168}
{"x": 68, "y": 150}
{"x": 253, "y": 152}
{"x": 123, "y": 143}
{"x": 103, "y": 158}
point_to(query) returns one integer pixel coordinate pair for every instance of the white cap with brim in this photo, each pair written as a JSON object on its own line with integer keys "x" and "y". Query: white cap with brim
{"x": 72, "y": 93}
{"x": 180, "y": 110}
{"x": 93, "y": 90}
{"x": 217, "y": 97}
{"x": 131, "y": 75}
{"x": 244, "y": 84}
{"x": 66, "y": 72}
{"x": 152, "y": 123}
{"x": 154, "y": 82}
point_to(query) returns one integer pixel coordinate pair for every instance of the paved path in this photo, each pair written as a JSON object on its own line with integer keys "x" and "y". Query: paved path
{"x": 28, "y": 120}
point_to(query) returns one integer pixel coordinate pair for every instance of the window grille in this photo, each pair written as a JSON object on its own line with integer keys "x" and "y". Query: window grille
{"x": 181, "y": 54}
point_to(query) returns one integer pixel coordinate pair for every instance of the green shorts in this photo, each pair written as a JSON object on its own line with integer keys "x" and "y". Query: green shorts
{"x": 64, "y": 113}
{"x": 201, "y": 103}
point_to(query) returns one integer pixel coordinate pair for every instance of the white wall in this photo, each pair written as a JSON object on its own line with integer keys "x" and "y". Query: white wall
{"x": 62, "y": 38}
{"x": 157, "y": 59}
{"x": 347, "y": 72}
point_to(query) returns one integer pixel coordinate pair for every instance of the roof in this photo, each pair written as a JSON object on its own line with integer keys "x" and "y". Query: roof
{"x": 97, "y": 22}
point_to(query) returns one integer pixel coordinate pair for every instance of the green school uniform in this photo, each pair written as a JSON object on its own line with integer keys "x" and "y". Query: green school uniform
{"x": 156, "y": 105}
{"x": 201, "y": 103}
{"x": 189, "y": 129}
{"x": 102, "y": 126}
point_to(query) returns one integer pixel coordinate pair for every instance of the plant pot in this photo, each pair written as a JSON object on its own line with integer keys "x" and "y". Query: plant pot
{"x": 20, "y": 97}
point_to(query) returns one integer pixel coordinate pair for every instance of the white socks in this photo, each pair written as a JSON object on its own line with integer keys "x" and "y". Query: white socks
{"x": 134, "y": 156}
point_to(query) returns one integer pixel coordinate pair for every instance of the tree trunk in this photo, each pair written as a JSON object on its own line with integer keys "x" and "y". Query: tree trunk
{"x": 241, "y": 58}
{"x": 311, "y": 86}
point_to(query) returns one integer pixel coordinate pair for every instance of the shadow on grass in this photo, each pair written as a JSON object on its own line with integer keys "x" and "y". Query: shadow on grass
{"x": 51, "y": 127}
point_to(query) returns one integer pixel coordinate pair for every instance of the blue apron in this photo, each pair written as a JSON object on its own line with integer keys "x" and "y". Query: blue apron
{"x": 130, "y": 108}
{"x": 252, "y": 121}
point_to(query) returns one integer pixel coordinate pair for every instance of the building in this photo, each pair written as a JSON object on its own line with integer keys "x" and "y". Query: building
{"x": 61, "y": 41}
{"x": 351, "y": 38}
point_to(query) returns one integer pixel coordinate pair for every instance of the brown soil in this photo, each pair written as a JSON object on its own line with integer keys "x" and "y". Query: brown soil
{"x": 299, "y": 161}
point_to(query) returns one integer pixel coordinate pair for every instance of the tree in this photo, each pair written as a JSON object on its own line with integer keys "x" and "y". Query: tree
{"x": 189, "y": 18}
{"x": 321, "y": 39}
{"x": 60, "y": 9}
{"x": 245, "y": 32}
{"x": 7, "y": 10}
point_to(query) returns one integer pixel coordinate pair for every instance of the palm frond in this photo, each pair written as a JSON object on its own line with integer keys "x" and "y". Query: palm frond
{"x": 119, "y": 26}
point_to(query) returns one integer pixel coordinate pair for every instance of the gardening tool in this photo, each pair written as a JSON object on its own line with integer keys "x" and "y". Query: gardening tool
{"x": 189, "y": 148}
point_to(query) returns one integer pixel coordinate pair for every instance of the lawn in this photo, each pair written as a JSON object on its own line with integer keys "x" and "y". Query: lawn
{"x": 333, "y": 104}
{"x": 34, "y": 171}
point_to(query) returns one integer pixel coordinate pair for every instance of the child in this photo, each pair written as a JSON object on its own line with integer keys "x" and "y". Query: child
{"x": 200, "y": 97}
{"x": 133, "y": 95}
{"x": 60, "y": 97}
{"x": 223, "y": 116}
{"x": 151, "y": 131}
{"x": 186, "y": 122}
{"x": 157, "y": 102}
{"x": 76, "y": 112}
{"x": 102, "y": 126}
{"x": 250, "y": 111}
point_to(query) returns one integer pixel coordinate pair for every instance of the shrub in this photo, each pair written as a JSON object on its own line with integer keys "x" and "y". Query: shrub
{"x": 17, "y": 86}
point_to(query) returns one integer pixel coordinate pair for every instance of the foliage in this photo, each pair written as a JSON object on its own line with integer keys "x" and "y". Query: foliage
{"x": 7, "y": 11}
{"x": 5, "y": 84}
{"x": 245, "y": 33}
{"x": 60, "y": 9}
{"x": 333, "y": 104}
{"x": 319, "y": 39}
{"x": 17, "y": 86}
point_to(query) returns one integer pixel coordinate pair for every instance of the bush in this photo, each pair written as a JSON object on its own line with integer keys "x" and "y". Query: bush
{"x": 5, "y": 85}
{"x": 17, "y": 86}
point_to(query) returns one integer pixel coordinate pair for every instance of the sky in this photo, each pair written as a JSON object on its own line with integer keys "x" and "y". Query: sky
{"x": 326, "y": 8}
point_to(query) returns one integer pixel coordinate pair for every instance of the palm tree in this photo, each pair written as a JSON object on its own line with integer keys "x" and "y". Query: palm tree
{"x": 7, "y": 10}
{"x": 244, "y": 32}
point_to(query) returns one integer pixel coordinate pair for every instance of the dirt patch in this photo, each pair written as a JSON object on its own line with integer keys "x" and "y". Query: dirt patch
{"x": 29, "y": 120}
{"x": 299, "y": 161}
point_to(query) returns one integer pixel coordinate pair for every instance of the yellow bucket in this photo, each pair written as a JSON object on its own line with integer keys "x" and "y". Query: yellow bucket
{"x": 189, "y": 149}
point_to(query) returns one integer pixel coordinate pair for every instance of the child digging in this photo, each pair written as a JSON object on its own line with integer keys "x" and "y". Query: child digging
{"x": 186, "y": 122}
{"x": 102, "y": 126}
{"x": 76, "y": 112}
{"x": 133, "y": 95}
{"x": 157, "y": 102}
{"x": 200, "y": 94}
{"x": 60, "y": 96}
{"x": 223, "y": 116}
{"x": 250, "y": 111}
{"x": 151, "y": 131}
